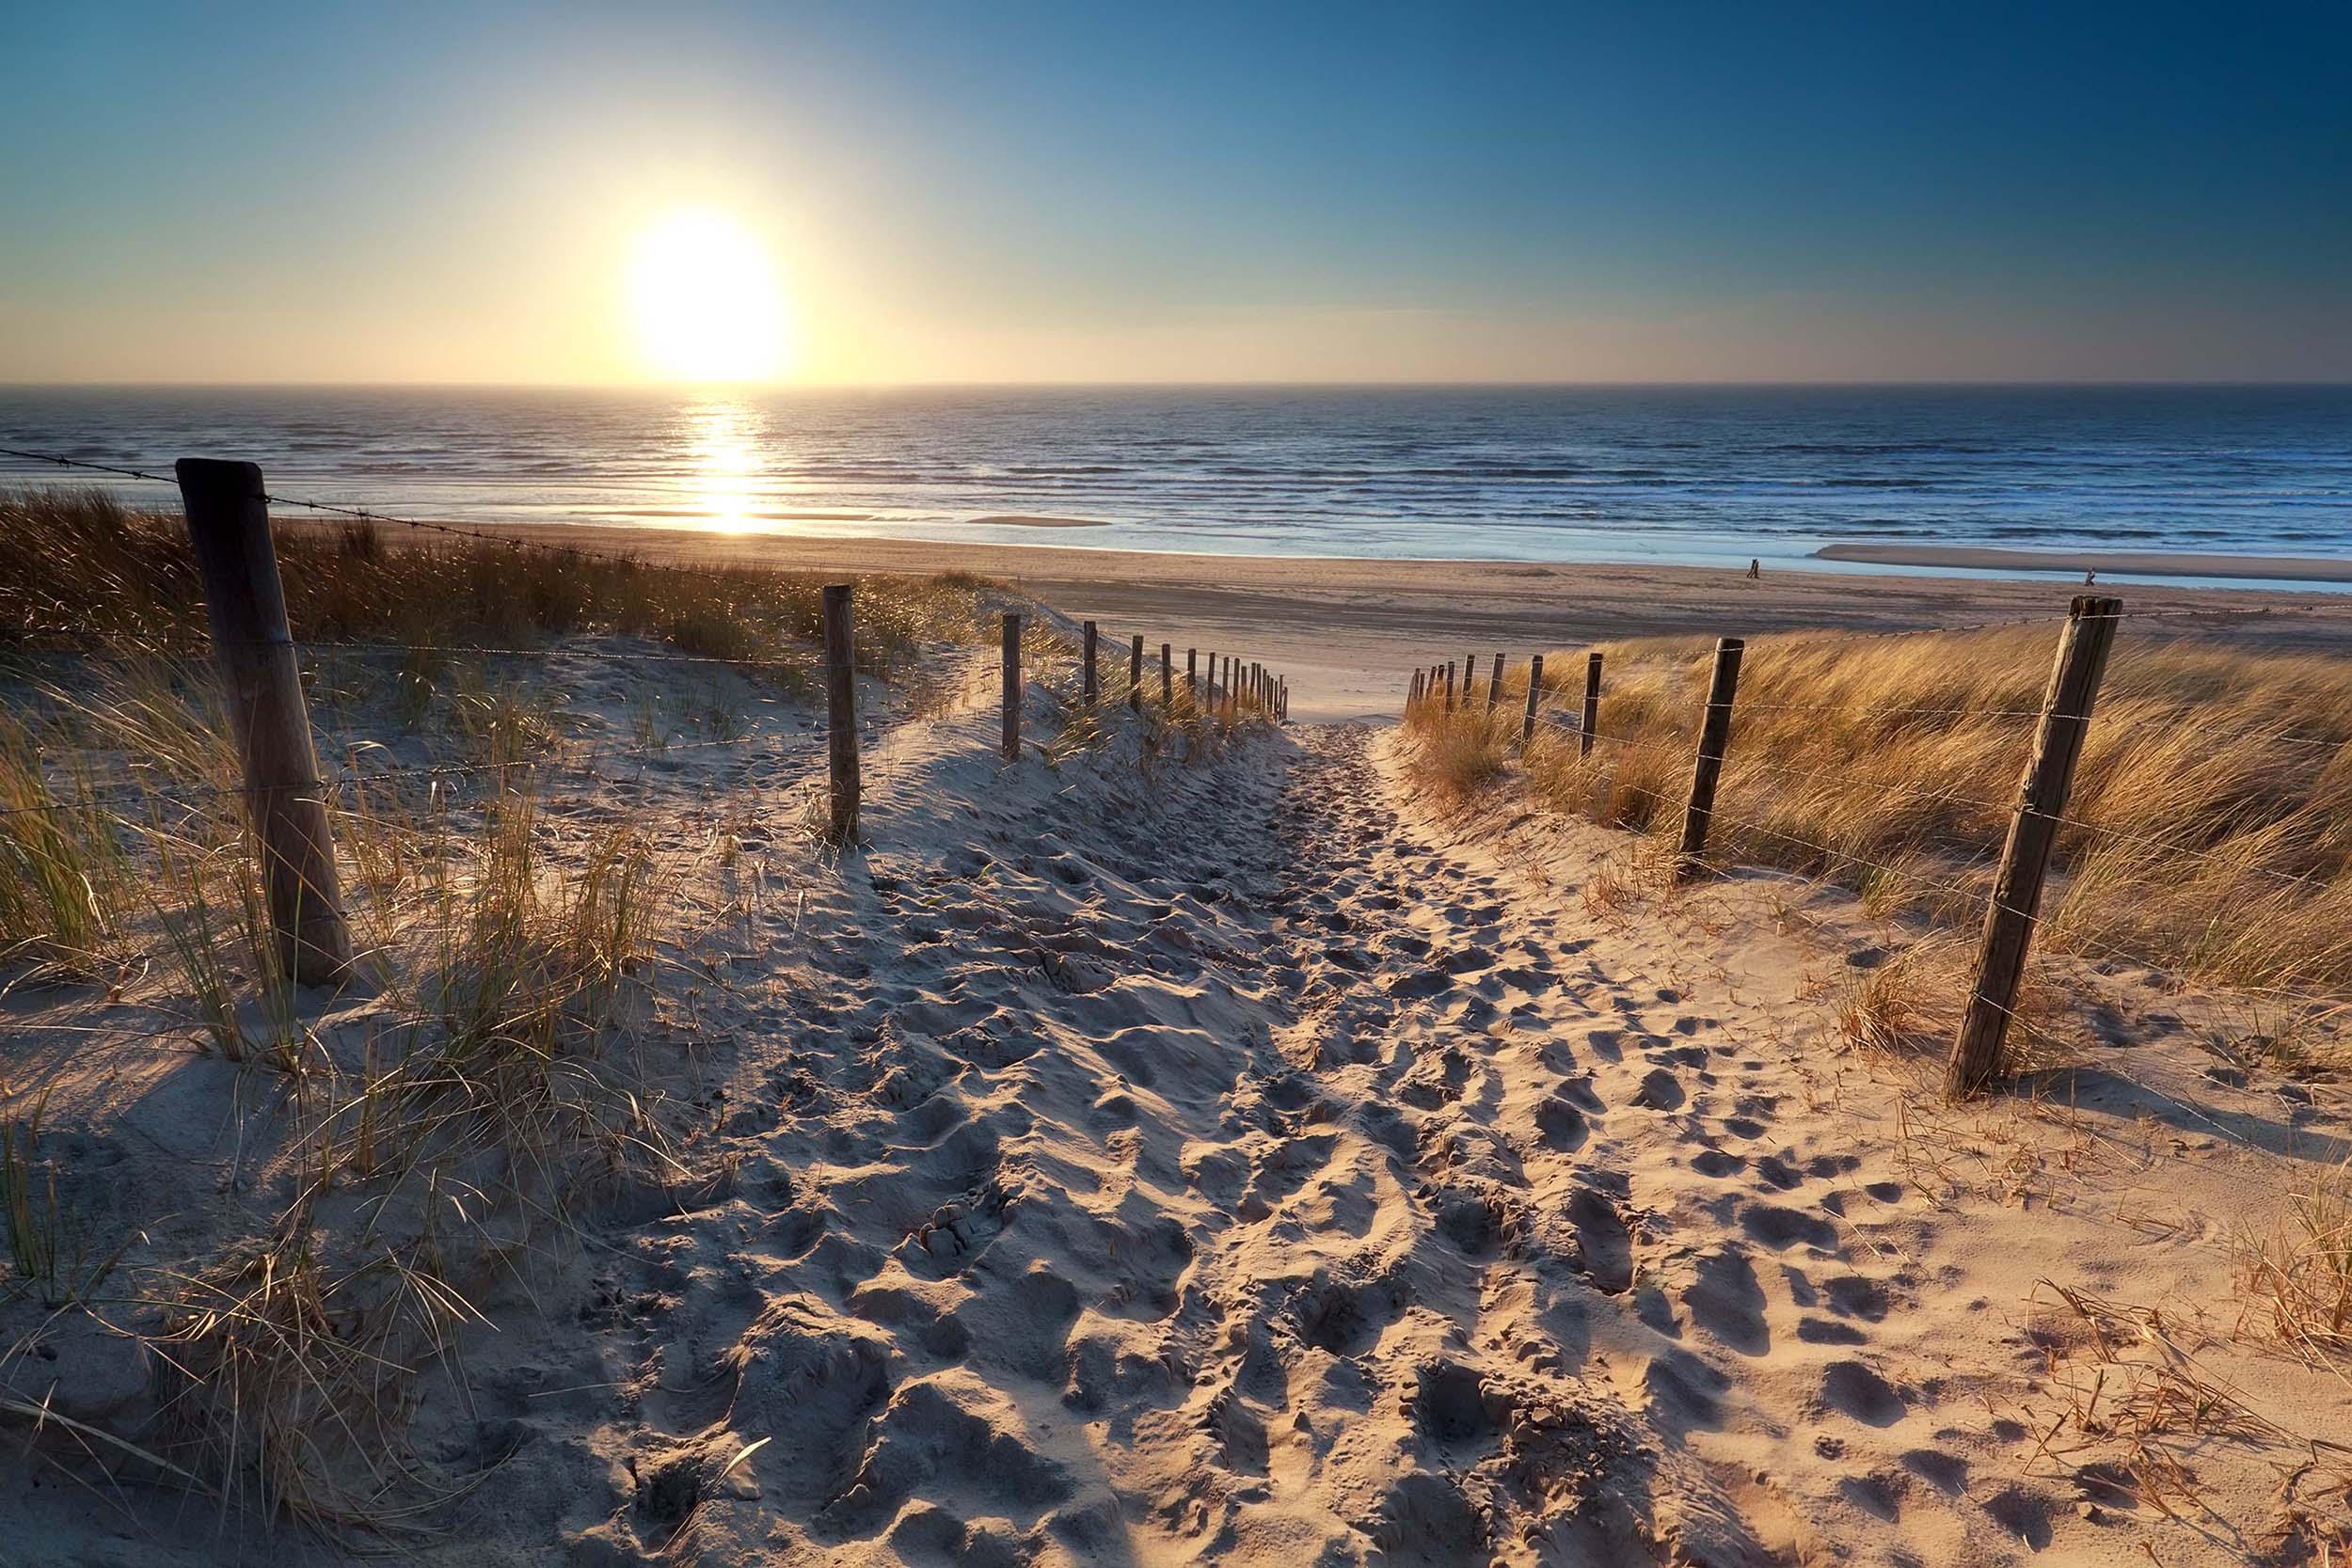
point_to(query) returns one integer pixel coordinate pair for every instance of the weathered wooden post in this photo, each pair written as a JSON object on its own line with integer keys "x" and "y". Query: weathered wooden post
{"x": 1534, "y": 694}
{"x": 1090, "y": 684}
{"x": 1012, "y": 687}
{"x": 1192, "y": 673}
{"x": 1448, "y": 686}
{"x": 1977, "y": 1055}
{"x": 244, "y": 604}
{"x": 1412, "y": 694}
{"x": 1167, "y": 679}
{"x": 1494, "y": 683}
{"x": 841, "y": 713}
{"x": 1134, "y": 673}
{"x": 1591, "y": 722}
{"x": 1714, "y": 731}
{"x": 1469, "y": 680}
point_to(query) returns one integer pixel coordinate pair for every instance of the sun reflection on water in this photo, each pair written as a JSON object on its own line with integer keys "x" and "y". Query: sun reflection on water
{"x": 723, "y": 468}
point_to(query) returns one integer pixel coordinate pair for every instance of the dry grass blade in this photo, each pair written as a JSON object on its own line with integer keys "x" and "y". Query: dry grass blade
{"x": 2302, "y": 1271}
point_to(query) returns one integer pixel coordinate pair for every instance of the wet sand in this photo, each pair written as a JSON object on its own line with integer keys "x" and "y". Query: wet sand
{"x": 2153, "y": 564}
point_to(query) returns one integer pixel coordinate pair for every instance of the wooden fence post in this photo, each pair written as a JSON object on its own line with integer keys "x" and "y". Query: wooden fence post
{"x": 1012, "y": 687}
{"x": 1167, "y": 679}
{"x": 1448, "y": 686}
{"x": 1192, "y": 673}
{"x": 1469, "y": 680}
{"x": 841, "y": 713}
{"x": 1592, "y": 706}
{"x": 1977, "y": 1056}
{"x": 1091, "y": 683}
{"x": 244, "y": 604}
{"x": 1714, "y": 731}
{"x": 1412, "y": 694}
{"x": 1134, "y": 673}
{"x": 1494, "y": 683}
{"x": 1534, "y": 694}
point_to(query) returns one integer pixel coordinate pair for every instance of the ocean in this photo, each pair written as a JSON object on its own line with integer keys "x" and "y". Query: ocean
{"x": 1696, "y": 475}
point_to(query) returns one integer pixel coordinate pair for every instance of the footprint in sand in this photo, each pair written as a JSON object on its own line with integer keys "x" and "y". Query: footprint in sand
{"x": 1603, "y": 1239}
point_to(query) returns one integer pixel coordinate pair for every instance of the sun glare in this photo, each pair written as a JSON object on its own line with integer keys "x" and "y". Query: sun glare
{"x": 707, "y": 301}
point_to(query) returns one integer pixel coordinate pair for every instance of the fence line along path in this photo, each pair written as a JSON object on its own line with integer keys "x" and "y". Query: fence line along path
{"x": 227, "y": 507}
{"x": 1978, "y": 1055}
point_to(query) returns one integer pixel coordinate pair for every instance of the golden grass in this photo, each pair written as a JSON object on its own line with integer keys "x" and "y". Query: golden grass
{"x": 2214, "y": 800}
{"x": 515, "y": 964}
{"x": 75, "y": 561}
{"x": 2301, "y": 1273}
{"x": 62, "y": 871}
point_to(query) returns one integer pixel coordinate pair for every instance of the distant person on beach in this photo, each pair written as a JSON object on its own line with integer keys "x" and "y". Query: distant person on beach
{"x": 1755, "y": 570}
{"x": 2090, "y": 576}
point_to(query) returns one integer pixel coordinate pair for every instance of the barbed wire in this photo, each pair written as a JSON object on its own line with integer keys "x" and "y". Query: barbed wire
{"x": 2079, "y": 947}
{"x": 361, "y": 512}
{"x": 186, "y": 794}
{"x": 1884, "y": 790}
{"x": 192, "y": 646}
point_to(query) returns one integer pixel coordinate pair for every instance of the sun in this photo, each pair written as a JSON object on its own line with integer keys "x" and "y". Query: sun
{"x": 707, "y": 301}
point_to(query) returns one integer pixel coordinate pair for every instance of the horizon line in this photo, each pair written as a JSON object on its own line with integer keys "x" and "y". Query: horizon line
{"x": 1264, "y": 383}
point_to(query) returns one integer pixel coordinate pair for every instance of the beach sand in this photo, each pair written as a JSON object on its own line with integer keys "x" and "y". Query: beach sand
{"x": 1128, "y": 1160}
{"x": 1349, "y": 631}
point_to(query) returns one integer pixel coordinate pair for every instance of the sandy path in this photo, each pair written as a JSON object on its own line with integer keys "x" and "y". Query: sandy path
{"x": 1224, "y": 1166}
{"x": 1241, "y": 1162}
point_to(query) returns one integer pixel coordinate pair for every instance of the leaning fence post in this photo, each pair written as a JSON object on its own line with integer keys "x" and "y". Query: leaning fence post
{"x": 841, "y": 713}
{"x": 1713, "y": 732}
{"x": 1494, "y": 683}
{"x": 1192, "y": 673}
{"x": 1134, "y": 673}
{"x": 244, "y": 603}
{"x": 1448, "y": 686}
{"x": 1592, "y": 706}
{"x": 1167, "y": 679}
{"x": 1534, "y": 694}
{"x": 1090, "y": 684}
{"x": 1012, "y": 687}
{"x": 1977, "y": 1057}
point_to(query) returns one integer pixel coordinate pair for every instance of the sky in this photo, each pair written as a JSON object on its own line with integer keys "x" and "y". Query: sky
{"x": 912, "y": 192}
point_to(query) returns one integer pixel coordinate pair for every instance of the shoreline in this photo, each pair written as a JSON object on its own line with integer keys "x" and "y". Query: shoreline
{"x": 2145, "y": 563}
{"x": 1347, "y": 630}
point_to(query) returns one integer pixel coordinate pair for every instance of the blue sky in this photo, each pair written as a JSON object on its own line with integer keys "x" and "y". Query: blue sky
{"x": 1016, "y": 192}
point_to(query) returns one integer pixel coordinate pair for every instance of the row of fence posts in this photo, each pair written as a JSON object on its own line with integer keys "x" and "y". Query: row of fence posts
{"x": 1979, "y": 1053}
{"x": 229, "y": 528}
{"x": 1242, "y": 683}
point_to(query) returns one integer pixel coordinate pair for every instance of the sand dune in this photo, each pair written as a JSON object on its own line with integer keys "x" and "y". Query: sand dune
{"x": 1132, "y": 1162}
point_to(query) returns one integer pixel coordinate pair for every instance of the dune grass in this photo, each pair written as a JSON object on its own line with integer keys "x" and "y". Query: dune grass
{"x": 2212, "y": 810}
{"x": 514, "y": 957}
{"x": 76, "y": 561}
